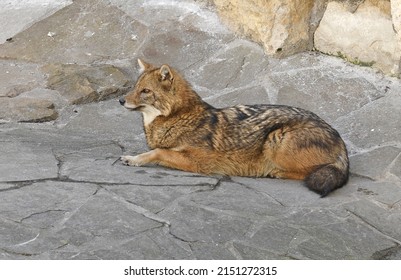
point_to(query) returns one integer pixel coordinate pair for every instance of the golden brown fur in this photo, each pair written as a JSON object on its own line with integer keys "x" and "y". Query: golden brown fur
{"x": 186, "y": 133}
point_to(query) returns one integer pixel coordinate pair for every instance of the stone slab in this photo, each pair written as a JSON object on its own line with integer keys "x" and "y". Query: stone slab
{"x": 27, "y": 109}
{"x": 371, "y": 125}
{"x": 224, "y": 70}
{"x": 378, "y": 217}
{"x": 386, "y": 193}
{"x": 181, "y": 48}
{"x": 62, "y": 198}
{"x": 82, "y": 32}
{"x": 286, "y": 192}
{"x": 250, "y": 252}
{"x": 374, "y": 164}
{"x": 16, "y": 16}
{"x": 249, "y": 96}
{"x": 188, "y": 223}
{"x": 13, "y": 236}
{"x": 227, "y": 199}
{"x": 61, "y": 142}
{"x": 26, "y": 161}
{"x": 106, "y": 171}
{"x": 89, "y": 220}
{"x": 310, "y": 87}
{"x": 17, "y": 77}
{"x": 156, "y": 198}
{"x": 156, "y": 244}
{"x": 107, "y": 119}
{"x": 345, "y": 240}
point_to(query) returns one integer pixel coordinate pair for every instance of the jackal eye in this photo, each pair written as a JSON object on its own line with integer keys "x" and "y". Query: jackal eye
{"x": 145, "y": 90}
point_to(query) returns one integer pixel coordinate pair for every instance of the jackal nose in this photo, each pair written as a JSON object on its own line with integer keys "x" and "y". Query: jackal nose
{"x": 122, "y": 100}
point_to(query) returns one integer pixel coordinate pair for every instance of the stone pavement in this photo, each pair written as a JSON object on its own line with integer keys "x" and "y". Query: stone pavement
{"x": 65, "y": 195}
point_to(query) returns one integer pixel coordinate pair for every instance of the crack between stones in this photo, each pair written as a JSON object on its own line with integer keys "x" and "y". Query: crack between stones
{"x": 212, "y": 209}
{"x": 213, "y": 188}
{"x": 361, "y": 176}
{"x": 25, "y": 183}
{"x": 59, "y": 163}
{"x": 16, "y": 185}
{"x": 18, "y": 253}
{"x": 122, "y": 148}
{"x": 138, "y": 209}
{"x": 42, "y": 212}
{"x": 152, "y": 216}
{"x": 386, "y": 253}
{"x": 189, "y": 242}
{"x": 261, "y": 193}
{"x": 389, "y": 144}
{"x": 392, "y": 164}
{"x": 394, "y": 204}
{"x": 222, "y": 211}
{"x": 71, "y": 213}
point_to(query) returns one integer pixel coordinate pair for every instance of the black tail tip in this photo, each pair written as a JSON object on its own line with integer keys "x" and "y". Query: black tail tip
{"x": 323, "y": 192}
{"x": 325, "y": 180}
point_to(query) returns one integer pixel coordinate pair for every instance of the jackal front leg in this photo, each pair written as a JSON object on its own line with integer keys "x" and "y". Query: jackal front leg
{"x": 138, "y": 160}
{"x": 165, "y": 157}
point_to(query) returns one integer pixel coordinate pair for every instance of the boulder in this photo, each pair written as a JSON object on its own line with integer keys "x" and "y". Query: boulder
{"x": 283, "y": 27}
{"x": 365, "y": 37}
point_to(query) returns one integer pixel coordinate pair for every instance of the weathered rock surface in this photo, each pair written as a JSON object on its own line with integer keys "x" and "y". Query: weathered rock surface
{"x": 359, "y": 31}
{"x": 396, "y": 15}
{"x": 365, "y": 127}
{"x": 83, "y": 84}
{"x": 17, "y": 77}
{"x": 88, "y": 49}
{"x": 283, "y": 27}
{"x": 26, "y": 109}
{"x": 31, "y": 11}
{"x": 383, "y": 156}
{"x": 74, "y": 35}
{"x": 364, "y": 37}
{"x": 27, "y": 162}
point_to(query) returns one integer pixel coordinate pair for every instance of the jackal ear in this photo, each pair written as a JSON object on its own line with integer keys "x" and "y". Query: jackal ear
{"x": 143, "y": 66}
{"x": 166, "y": 73}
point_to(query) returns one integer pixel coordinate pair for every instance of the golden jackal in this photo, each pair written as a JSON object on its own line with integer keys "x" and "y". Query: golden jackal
{"x": 186, "y": 133}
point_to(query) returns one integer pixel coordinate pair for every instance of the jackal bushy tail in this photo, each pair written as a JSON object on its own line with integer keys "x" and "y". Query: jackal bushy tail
{"x": 328, "y": 178}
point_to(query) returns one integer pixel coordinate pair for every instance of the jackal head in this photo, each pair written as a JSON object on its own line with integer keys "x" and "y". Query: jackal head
{"x": 159, "y": 91}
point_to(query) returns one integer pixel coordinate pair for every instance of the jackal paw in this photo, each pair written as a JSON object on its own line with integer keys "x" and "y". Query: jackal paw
{"x": 132, "y": 160}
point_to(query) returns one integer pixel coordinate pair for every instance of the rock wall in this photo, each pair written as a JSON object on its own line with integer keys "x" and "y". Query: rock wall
{"x": 282, "y": 26}
{"x": 364, "y": 32}
{"x": 396, "y": 18}
{"x": 365, "y": 36}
